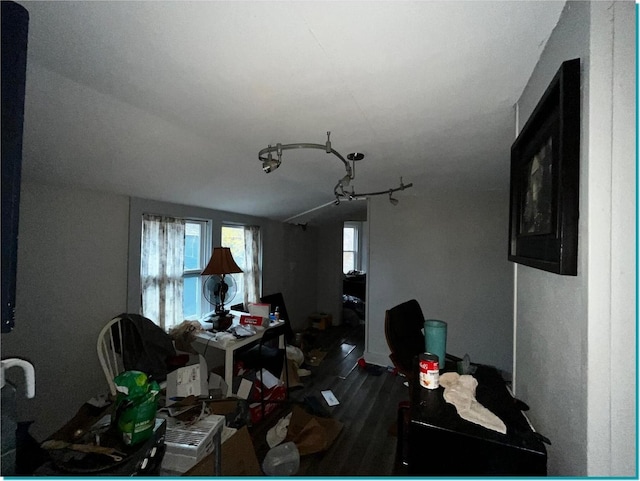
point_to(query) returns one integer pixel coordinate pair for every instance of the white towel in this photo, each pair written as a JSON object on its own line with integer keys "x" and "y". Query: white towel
{"x": 460, "y": 390}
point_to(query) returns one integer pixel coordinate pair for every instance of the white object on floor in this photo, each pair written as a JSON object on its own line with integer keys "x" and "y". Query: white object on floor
{"x": 295, "y": 354}
{"x": 303, "y": 372}
{"x": 278, "y": 433}
{"x": 460, "y": 390}
{"x": 330, "y": 398}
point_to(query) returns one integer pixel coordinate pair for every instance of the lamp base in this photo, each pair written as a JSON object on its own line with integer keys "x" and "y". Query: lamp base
{"x": 223, "y": 321}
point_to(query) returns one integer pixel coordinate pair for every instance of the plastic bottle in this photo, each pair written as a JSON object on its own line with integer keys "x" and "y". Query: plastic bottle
{"x": 277, "y": 313}
{"x": 282, "y": 460}
{"x": 9, "y": 416}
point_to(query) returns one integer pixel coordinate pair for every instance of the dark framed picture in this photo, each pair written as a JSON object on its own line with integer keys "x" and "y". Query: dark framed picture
{"x": 545, "y": 174}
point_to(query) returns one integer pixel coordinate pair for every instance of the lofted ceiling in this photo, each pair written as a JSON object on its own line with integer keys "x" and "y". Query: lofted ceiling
{"x": 173, "y": 100}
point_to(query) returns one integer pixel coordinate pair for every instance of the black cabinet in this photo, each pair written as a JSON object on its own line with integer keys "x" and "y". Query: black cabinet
{"x": 441, "y": 443}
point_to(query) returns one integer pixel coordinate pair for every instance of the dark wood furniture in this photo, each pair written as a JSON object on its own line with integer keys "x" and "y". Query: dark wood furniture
{"x": 441, "y": 443}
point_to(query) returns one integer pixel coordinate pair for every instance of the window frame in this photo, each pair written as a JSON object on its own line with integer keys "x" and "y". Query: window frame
{"x": 205, "y": 255}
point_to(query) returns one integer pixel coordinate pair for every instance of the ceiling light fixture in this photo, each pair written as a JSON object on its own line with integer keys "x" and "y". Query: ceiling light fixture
{"x": 269, "y": 164}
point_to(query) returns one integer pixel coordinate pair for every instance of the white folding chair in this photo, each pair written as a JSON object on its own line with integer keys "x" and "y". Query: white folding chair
{"x": 110, "y": 352}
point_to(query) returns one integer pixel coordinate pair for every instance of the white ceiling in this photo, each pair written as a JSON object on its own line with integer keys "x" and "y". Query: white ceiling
{"x": 173, "y": 100}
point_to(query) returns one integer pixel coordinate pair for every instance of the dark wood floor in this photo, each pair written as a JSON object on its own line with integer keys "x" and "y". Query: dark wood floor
{"x": 368, "y": 409}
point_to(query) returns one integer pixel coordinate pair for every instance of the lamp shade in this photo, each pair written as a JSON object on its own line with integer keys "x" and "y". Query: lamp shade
{"x": 221, "y": 263}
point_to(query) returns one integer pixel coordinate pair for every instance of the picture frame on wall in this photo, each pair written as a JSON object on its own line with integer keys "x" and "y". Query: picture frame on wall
{"x": 545, "y": 176}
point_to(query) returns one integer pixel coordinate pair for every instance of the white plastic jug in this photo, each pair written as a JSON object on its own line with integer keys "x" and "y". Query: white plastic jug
{"x": 29, "y": 375}
{"x": 283, "y": 460}
{"x": 8, "y": 409}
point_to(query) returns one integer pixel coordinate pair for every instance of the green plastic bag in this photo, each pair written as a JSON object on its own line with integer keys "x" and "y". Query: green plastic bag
{"x": 136, "y": 406}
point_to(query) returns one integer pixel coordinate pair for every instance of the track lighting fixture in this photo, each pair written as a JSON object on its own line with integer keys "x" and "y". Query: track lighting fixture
{"x": 269, "y": 164}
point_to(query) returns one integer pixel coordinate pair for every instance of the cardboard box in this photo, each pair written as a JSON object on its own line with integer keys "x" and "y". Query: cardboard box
{"x": 320, "y": 321}
{"x": 260, "y": 310}
{"x": 238, "y": 458}
{"x": 190, "y": 380}
{"x": 312, "y": 434}
{"x": 253, "y": 320}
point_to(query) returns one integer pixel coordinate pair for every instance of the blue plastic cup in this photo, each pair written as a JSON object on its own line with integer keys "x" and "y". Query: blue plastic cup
{"x": 435, "y": 339}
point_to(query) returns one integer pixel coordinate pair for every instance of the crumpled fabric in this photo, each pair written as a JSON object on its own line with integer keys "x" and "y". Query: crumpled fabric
{"x": 460, "y": 390}
{"x": 277, "y": 433}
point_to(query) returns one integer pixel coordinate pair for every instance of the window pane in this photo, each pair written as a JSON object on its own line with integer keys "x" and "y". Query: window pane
{"x": 233, "y": 237}
{"x": 190, "y": 296}
{"x": 348, "y": 239}
{"x": 347, "y": 261}
{"x": 192, "y": 243}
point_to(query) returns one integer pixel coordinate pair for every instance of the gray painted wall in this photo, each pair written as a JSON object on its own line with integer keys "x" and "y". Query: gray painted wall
{"x": 72, "y": 278}
{"x": 574, "y": 335}
{"x": 73, "y": 268}
{"x": 448, "y": 251}
{"x": 329, "y": 265}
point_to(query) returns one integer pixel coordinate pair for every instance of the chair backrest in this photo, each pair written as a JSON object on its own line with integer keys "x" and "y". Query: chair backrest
{"x": 110, "y": 351}
{"x": 277, "y": 300}
{"x": 403, "y": 326}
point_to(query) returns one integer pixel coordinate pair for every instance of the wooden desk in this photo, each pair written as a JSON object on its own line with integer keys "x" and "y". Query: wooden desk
{"x": 205, "y": 340}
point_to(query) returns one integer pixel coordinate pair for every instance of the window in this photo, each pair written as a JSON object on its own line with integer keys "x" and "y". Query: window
{"x": 244, "y": 242}
{"x": 195, "y": 258}
{"x": 350, "y": 251}
{"x": 174, "y": 252}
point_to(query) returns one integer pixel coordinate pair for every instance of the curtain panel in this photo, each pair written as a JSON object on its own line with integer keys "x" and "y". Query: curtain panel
{"x": 253, "y": 269}
{"x": 162, "y": 268}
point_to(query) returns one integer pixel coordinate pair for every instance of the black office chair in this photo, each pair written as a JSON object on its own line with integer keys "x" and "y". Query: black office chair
{"x": 270, "y": 356}
{"x": 403, "y": 326}
{"x": 277, "y": 300}
{"x": 267, "y": 354}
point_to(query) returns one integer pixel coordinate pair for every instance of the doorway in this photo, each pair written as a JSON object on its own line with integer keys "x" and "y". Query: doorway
{"x": 354, "y": 280}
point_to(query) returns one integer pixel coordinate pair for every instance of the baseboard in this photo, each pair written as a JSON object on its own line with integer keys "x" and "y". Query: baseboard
{"x": 377, "y": 359}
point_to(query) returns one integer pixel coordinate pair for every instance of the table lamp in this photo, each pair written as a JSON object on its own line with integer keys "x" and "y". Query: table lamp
{"x": 221, "y": 264}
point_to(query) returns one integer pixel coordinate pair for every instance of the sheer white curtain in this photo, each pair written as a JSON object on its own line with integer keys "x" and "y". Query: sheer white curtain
{"x": 161, "y": 269}
{"x": 253, "y": 269}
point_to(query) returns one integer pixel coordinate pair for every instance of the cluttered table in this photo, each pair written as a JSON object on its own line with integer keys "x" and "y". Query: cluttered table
{"x": 90, "y": 445}
{"x": 230, "y": 340}
{"x": 464, "y": 448}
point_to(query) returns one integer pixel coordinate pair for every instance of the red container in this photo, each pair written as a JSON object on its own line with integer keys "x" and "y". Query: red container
{"x": 429, "y": 371}
{"x": 277, "y": 393}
